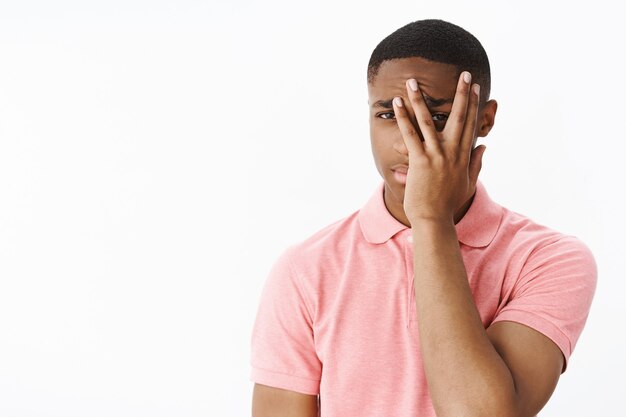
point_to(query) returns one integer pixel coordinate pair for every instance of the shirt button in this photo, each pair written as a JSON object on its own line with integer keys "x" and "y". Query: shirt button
{"x": 409, "y": 238}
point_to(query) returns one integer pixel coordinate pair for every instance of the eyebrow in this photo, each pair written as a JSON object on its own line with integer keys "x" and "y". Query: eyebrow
{"x": 430, "y": 102}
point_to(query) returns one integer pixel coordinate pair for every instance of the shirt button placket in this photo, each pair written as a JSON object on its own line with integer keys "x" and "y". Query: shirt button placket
{"x": 408, "y": 253}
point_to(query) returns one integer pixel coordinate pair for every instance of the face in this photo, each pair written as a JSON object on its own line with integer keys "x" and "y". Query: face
{"x": 438, "y": 83}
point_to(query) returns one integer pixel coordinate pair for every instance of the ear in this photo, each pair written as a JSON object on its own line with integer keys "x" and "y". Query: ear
{"x": 486, "y": 118}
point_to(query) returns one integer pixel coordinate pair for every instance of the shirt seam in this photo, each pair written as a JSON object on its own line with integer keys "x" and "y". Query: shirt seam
{"x": 305, "y": 294}
{"x": 535, "y": 251}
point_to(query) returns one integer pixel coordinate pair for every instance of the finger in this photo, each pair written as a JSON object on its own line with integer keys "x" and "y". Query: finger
{"x": 476, "y": 163}
{"x": 458, "y": 114}
{"x": 469, "y": 129}
{"x": 411, "y": 137}
{"x": 422, "y": 115}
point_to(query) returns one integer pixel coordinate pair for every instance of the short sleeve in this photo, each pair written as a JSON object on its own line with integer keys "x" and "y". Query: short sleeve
{"x": 554, "y": 292}
{"x": 283, "y": 351}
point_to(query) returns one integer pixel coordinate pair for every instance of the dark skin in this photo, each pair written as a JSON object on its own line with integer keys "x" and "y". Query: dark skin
{"x": 506, "y": 370}
{"x": 437, "y": 82}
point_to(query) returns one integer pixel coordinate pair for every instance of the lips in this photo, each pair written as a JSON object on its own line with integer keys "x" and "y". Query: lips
{"x": 400, "y": 173}
{"x": 400, "y": 168}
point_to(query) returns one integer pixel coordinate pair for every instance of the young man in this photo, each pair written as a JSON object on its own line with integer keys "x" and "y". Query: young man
{"x": 431, "y": 299}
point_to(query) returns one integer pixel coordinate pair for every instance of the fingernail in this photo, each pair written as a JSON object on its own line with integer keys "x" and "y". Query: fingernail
{"x": 467, "y": 77}
{"x": 477, "y": 89}
{"x": 413, "y": 84}
{"x": 398, "y": 101}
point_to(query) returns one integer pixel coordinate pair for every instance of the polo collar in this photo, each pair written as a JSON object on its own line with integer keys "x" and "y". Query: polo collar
{"x": 477, "y": 228}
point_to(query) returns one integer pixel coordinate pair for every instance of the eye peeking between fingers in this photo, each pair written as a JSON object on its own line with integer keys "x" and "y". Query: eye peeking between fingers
{"x": 439, "y": 118}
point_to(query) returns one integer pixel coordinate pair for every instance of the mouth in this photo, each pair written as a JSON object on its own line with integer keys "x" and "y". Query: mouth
{"x": 400, "y": 173}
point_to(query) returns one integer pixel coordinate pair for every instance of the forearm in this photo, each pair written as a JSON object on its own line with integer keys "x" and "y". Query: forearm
{"x": 466, "y": 376}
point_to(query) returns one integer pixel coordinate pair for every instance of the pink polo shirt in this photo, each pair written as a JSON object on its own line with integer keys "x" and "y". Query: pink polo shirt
{"x": 337, "y": 314}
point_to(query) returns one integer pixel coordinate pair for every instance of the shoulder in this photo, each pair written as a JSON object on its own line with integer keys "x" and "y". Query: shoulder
{"x": 544, "y": 265}
{"x": 527, "y": 240}
{"x": 550, "y": 280}
{"x": 331, "y": 240}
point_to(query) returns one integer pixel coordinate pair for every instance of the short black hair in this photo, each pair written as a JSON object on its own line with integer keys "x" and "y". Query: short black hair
{"x": 435, "y": 40}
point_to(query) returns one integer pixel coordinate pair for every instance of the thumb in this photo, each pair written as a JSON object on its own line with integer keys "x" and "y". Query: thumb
{"x": 476, "y": 163}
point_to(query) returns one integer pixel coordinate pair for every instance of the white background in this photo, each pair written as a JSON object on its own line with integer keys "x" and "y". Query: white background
{"x": 157, "y": 156}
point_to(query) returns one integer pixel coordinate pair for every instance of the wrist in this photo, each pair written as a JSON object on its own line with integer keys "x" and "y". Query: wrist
{"x": 422, "y": 227}
{"x": 431, "y": 222}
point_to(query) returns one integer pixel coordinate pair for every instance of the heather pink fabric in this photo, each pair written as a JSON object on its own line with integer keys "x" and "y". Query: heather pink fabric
{"x": 337, "y": 314}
